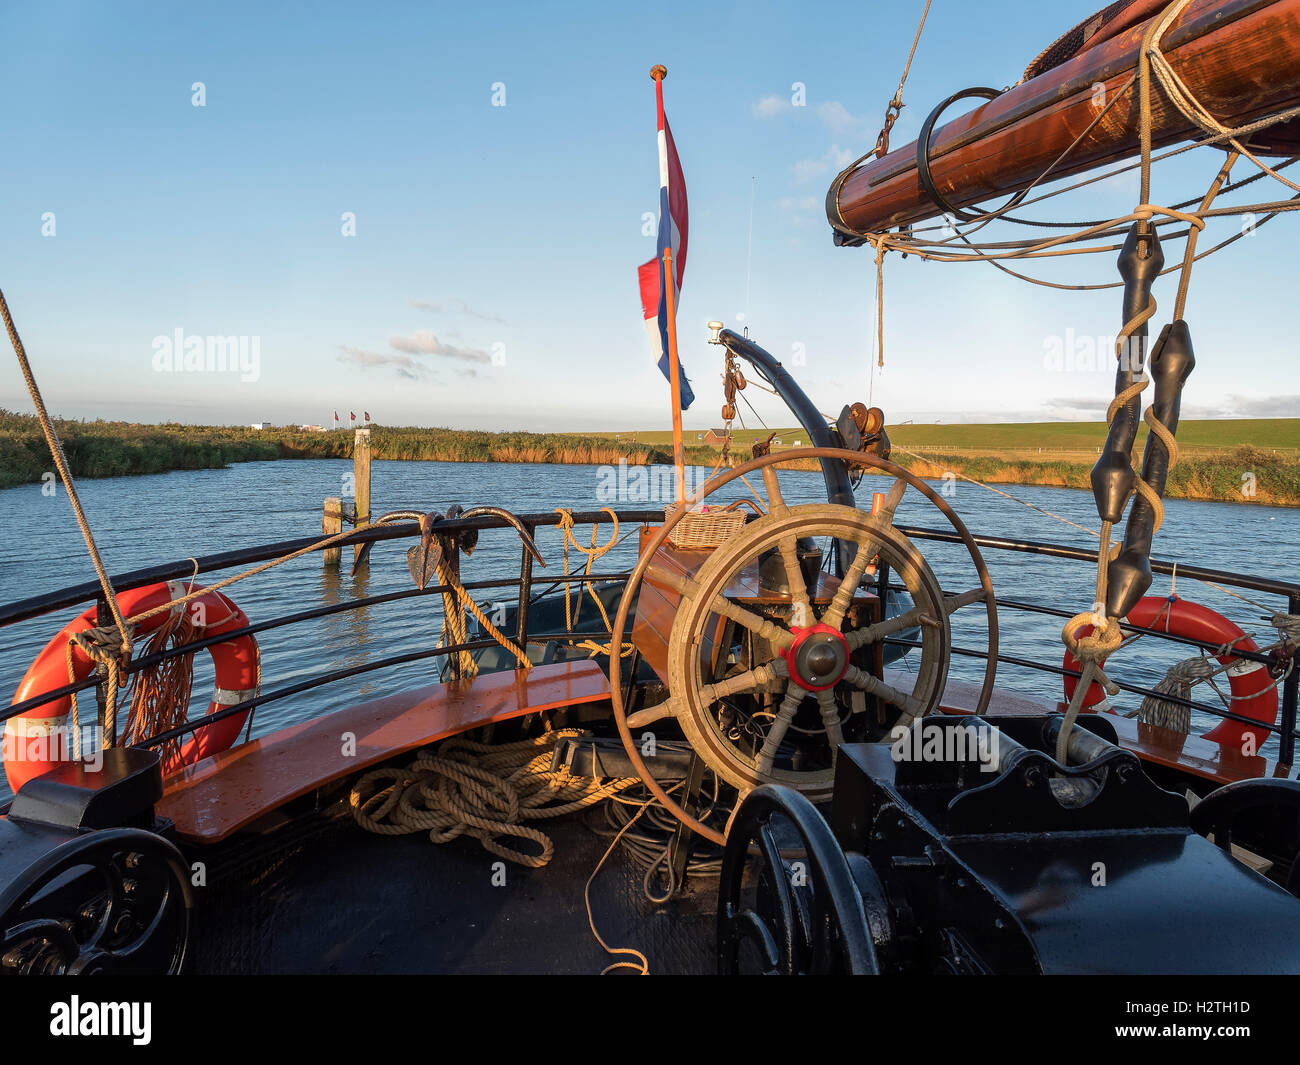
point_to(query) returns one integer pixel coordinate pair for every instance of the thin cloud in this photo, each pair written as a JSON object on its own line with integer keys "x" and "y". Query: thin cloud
{"x": 831, "y": 113}
{"x": 1232, "y": 406}
{"x": 771, "y": 106}
{"x": 424, "y": 342}
{"x": 835, "y": 160}
{"x": 403, "y": 365}
{"x": 1265, "y": 406}
{"x": 839, "y": 120}
{"x": 454, "y": 306}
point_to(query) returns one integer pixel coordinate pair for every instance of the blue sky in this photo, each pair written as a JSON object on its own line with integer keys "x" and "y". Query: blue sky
{"x": 515, "y": 231}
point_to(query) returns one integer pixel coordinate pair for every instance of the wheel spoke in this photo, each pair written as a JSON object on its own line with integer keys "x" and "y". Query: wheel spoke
{"x": 831, "y": 719}
{"x": 867, "y": 548}
{"x": 747, "y": 619}
{"x": 918, "y": 615}
{"x": 953, "y": 603}
{"x": 834, "y": 615}
{"x": 895, "y": 496}
{"x": 788, "y": 932}
{"x": 860, "y": 679}
{"x": 650, "y": 714}
{"x": 898, "y": 623}
{"x": 680, "y": 584}
{"x": 794, "y": 695}
{"x": 775, "y": 500}
{"x": 755, "y": 623}
{"x": 803, "y": 612}
{"x": 748, "y": 925}
{"x": 761, "y": 678}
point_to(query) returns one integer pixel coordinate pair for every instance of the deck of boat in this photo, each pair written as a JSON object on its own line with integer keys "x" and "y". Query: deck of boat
{"x": 319, "y": 895}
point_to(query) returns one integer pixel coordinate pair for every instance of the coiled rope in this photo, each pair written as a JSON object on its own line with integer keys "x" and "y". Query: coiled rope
{"x": 1178, "y": 682}
{"x": 485, "y": 791}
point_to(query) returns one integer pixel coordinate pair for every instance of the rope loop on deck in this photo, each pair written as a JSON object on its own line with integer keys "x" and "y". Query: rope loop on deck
{"x": 486, "y": 791}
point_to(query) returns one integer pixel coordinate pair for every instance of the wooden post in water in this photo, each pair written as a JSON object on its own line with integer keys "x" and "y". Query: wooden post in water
{"x": 331, "y": 524}
{"x": 361, "y": 483}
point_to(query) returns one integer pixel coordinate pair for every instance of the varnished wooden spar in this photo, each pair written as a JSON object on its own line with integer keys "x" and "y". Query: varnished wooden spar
{"x": 1240, "y": 58}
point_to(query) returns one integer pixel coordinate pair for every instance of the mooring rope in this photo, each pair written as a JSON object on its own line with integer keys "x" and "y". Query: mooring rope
{"x": 458, "y": 600}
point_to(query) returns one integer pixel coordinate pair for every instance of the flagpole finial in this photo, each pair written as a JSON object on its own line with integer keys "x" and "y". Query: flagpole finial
{"x": 658, "y": 72}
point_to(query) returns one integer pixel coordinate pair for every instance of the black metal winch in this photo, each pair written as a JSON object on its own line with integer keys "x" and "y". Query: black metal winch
{"x": 972, "y": 850}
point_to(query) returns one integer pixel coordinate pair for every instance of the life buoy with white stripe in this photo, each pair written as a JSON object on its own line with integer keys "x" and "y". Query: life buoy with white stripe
{"x": 1254, "y": 694}
{"x": 35, "y": 741}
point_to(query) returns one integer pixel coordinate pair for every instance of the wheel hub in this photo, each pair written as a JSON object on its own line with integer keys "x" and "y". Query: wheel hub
{"x": 817, "y": 658}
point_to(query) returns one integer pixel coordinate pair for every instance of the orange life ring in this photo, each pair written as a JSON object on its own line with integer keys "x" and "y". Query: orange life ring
{"x": 1254, "y": 694}
{"x": 34, "y": 741}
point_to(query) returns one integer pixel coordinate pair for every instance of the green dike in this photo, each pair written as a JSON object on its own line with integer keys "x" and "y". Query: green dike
{"x": 1219, "y": 458}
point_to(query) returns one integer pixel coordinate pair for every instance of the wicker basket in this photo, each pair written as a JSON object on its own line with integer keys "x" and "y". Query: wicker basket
{"x": 706, "y": 528}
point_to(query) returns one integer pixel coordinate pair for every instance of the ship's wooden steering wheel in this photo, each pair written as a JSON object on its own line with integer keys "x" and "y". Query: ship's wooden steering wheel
{"x": 806, "y": 655}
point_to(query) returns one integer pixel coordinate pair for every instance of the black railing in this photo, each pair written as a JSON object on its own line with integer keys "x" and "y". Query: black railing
{"x": 38, "y": 606}
{"x": 1285, "y": 729}
{"x": 526, "y": 596}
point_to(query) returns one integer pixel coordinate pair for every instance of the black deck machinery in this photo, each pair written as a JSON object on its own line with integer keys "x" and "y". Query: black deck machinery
{"x": 964, "y": 847}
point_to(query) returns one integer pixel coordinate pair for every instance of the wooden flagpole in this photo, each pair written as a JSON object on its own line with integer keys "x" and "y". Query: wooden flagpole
{"x": 657, "y": 73}
{"x": 679, "y": 453}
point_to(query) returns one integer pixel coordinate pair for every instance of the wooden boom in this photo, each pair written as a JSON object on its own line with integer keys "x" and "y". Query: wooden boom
{"x": 1239, "y": 58}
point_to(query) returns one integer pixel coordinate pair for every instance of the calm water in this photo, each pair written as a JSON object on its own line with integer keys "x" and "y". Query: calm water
{"x": 144, "y": 520}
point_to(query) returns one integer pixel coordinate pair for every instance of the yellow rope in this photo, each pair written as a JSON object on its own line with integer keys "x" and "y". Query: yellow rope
{"x": 593, "y": 552}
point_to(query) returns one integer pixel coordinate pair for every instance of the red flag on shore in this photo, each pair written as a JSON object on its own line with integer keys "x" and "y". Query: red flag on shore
{"x": 367, "y": 414}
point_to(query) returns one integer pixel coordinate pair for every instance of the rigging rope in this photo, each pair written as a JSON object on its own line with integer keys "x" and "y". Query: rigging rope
{"x": 65, "y": 474}
{"x": 592, "y": 553}
{"x": 1151, "y": 66}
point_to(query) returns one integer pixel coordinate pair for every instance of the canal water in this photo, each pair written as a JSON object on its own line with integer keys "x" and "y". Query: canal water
{"x": 140, "y": 521}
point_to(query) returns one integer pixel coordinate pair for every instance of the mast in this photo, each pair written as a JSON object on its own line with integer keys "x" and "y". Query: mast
{"x": 1239, "y": 58}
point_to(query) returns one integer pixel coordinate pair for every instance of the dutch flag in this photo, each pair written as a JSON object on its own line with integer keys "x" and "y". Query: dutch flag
{"x": 672, "y": 234}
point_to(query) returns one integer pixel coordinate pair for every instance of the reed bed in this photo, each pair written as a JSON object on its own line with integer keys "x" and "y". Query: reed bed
{"x": 1242, "y": 474}
{"x": 116, "y": 449}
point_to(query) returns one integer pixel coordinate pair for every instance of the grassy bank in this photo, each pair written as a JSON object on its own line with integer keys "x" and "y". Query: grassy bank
{"x": 1243, "y": 475}
{"x": 1267, "y": 477}
{"x": 116, "y": 449}
{"x": 1216, "y": 455}
{"x": 1224, "y": 434}
{"x": 1217, "y": 458}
